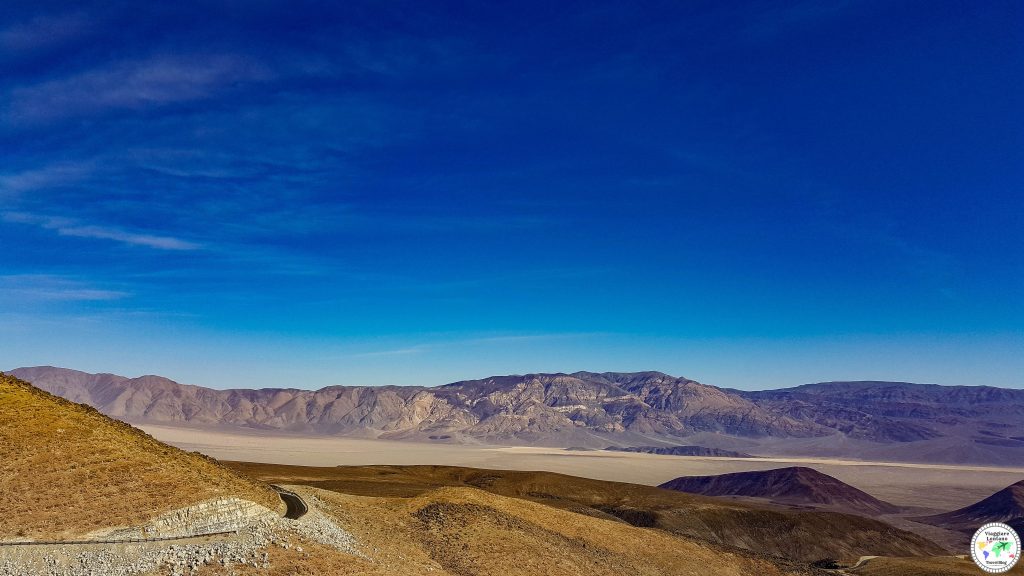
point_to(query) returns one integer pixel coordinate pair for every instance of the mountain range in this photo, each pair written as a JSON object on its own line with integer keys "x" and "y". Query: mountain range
{"x": 881, "y": 420}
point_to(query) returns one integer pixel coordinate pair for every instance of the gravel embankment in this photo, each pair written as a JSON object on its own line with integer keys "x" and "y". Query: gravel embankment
{"x": 179, "y": 558}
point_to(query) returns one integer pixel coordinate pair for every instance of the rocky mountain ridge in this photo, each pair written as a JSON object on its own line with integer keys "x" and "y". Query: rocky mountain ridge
{"x": 878, "y": 420}
{"x": 545, "y": 409}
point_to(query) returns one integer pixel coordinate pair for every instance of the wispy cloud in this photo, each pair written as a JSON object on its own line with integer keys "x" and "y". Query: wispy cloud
{"x": 54, "y": 288}
{"x": 56, "y": 174}
{"x": 393, "y": 352}
{"x": 44, "y": 31}
{"x": 70, "y": 227}
{"x": 132, "y": 85}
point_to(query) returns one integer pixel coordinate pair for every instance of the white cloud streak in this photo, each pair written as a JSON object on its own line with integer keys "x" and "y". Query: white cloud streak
{"x": 57, "y": 174}
{"x": 54, "y": 288}
{"x": 44, "y": 32}
{"x": 132, "y": 85}
{"x": 69, "y": 227}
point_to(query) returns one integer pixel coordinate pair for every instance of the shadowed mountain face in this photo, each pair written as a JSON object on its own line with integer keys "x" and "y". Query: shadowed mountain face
{"x": 794, "y": 485}
{"x": 872, "y": 420}
{"x": 1006, "y": 506}
{"x": 903, "y": 412}
{"x": 929, "y": 423}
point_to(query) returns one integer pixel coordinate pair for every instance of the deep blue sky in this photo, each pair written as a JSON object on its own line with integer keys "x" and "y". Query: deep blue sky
{"x": 752, "y": 194}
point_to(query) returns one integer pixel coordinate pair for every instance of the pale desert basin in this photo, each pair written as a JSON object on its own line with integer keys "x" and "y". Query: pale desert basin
{"x": 928, "y": 486}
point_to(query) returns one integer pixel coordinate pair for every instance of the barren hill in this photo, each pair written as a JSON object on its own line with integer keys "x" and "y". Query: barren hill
{"x": 459, "y": 531}
{"x": 803, "y": 536}
{"x": 65, "y": 470}
{"x": 1007, "y": 506}
{"x": 794, "y": 485}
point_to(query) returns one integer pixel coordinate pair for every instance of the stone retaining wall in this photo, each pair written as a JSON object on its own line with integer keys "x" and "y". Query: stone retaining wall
{"x": 210, "y": 516}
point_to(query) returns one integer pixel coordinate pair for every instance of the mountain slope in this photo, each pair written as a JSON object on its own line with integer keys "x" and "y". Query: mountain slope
{"x": 460, "y": 531}
{"x": 1007, "y": 506}
{"x": 868, "y": 420}
{"x": 903, "y": 412}
{"x": 582, "y": 409}
{"x": 795, "y": 485}
{"x": 66, "y": 470}
{"x": 798, "y": 535}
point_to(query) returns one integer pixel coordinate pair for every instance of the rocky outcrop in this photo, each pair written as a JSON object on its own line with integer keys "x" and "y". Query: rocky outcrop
{"x": 209, "y": 517}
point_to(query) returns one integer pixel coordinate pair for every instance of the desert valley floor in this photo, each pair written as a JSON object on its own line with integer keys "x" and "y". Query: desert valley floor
{"x": 925, "y": 486}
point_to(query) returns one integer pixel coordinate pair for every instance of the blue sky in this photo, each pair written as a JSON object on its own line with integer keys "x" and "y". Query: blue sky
{"x": 754, "y": 194}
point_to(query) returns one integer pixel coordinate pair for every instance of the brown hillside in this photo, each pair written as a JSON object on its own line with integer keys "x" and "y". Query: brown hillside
{"x": 797, "y": 535}
{"x": 66, "y": 470}
{"x": 1007, "y": 505}
{"x": 794, "y": 485}
{"x": 466, "y": 531}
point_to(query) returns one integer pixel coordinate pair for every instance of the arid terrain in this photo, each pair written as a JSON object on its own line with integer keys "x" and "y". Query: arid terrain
{"x": 797, "y": 485}
{"x": 879, "y": 421}
{"x": 66, "y": 470}
{"x": 916, "y": 489}
{"x": 641, "y": 506}
{"x": 1006, "y": 505}
{"x": 382, "y": 520}
{"x": 760, "y": 529}
{"x": 100, "y": 476}
{"x": 380, "y": 506}
{"x": 935, "y": 487}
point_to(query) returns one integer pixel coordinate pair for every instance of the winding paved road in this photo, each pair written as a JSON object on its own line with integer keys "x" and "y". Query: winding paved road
{"x": 296, "y": 505}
